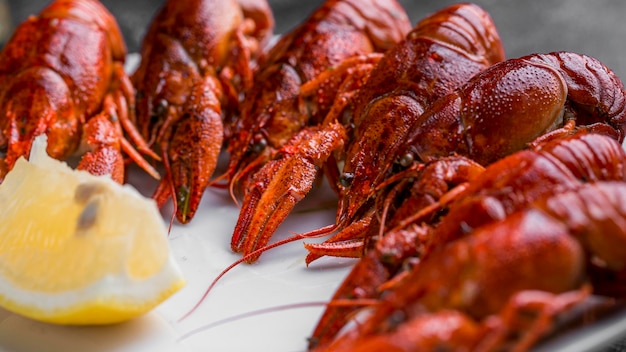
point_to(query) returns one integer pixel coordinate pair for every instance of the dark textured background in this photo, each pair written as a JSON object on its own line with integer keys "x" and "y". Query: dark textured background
{"x": 596, "y": 28}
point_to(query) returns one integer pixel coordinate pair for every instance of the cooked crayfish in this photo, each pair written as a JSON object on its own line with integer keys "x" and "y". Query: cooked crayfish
{"x": 534, "y": 200}
{"x": 438, "y": 55}
{"x": 62, "y": 74}
{"x": 198, "y": 57}
{"x": 536, "y": 95}
{"x": 274, "y": 109}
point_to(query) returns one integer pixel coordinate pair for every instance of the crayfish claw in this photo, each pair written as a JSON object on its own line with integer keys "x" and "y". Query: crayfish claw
{"x": 279, "y": 185}
{"x": 192, "y": 157}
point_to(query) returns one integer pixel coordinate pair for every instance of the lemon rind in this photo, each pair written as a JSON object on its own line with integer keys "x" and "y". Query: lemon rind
{"x": 116, "y": 293}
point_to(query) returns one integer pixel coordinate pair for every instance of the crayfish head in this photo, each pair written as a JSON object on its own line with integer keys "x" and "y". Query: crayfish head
{"x": 378, "y": 148}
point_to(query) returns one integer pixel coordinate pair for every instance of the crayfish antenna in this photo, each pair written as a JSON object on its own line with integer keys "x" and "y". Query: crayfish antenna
{"x": 210, "y": 288}
{"x": 311, "y": 234}
{"x": 332, "y": 303}
{"x": 137, "y": 158}
{"x": 231, "y": 191}
{"x": 216, "y": 181}
{"x": 164, "y": 192}
{"x": 383, "y": 216}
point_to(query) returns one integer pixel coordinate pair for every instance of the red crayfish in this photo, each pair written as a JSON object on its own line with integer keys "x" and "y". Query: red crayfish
{"x": 439, "y": 54}
{"x": 539, "y": 94}
{"x": 274, "y": 110}
{"x": 62, "y": 74}
{"x": 198, "y": 58}
{"x": 518, "y": 245}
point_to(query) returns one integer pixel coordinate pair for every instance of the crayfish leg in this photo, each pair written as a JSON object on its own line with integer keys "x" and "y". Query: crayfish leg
{"x": 447, "y": 330}
{"x": 376, "y": 267}
{"x": 125, "y": 100}
{"x": 528, "y": 316}
{"x": 348, "y": 242}
{"x": 334, "y": 88}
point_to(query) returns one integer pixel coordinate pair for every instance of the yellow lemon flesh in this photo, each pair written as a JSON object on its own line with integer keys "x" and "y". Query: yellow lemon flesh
{"x": 79, "y": 249}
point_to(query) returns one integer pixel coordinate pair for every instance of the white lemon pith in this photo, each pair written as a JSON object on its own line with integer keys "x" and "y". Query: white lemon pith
{"x": 77, "y": 248}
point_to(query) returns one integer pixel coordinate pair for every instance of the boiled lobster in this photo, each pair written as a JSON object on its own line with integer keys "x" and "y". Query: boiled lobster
{"x": 198, "y": 58}
{"x": 530, "y": 202}
{"x": 439, "y": 54}
{"x": 62, "y": 74}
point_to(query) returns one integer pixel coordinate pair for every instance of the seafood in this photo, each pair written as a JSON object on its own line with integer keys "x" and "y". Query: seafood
{"x": 503, "y": 210}
{"x": 62, "y": 74}
{"x": 417, "y": 190}
{"x": 539, "y": 96}
{"x": 198, "y": 57}
{"x": 274, "y": 109}
{"x": 439, "y": 54}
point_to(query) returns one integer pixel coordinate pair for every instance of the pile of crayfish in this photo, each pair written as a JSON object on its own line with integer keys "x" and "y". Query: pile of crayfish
{"x": 484, "y": 196}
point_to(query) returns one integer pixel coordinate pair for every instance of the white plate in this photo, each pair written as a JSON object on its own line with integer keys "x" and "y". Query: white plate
{"x": 202, "y": 249}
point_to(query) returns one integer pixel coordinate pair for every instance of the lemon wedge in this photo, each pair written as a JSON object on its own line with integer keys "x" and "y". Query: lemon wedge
{"x": 80, "y": 249}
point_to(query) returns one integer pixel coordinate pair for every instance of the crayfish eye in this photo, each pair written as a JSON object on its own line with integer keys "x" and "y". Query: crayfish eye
{"x": 158, "y": 112}
{"x": 345, "y": 180}
{"x": 259, "y": 143}
{"x": 161, "y": 108}
{"x": 406, "y": 160}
